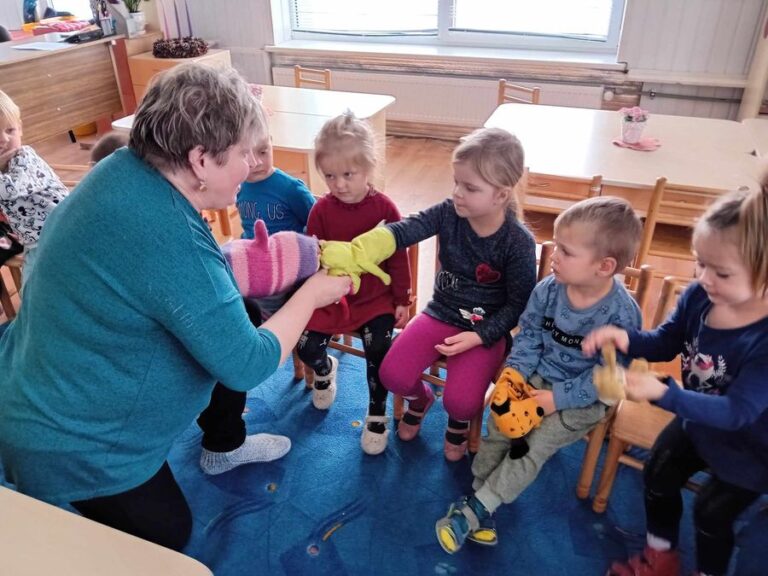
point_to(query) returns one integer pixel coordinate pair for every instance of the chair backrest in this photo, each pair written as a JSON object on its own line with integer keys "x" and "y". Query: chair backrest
{"x": 311, "y": 77}
{"x": 546, "y": 250}
{"x": 70, "y": 182}
{"x": 509, "y": 92}
{"x": 671, "y": 288}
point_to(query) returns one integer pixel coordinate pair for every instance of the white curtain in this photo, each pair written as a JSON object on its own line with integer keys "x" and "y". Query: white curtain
{"x": 174, "y": 18}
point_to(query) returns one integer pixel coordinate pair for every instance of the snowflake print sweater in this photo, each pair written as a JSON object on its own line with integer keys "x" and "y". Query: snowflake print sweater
{"x": 724, "y": 398}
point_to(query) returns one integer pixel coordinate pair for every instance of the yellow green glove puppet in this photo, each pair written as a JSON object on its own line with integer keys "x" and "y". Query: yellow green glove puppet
{"x": 515, "y": 412}
{"x": 363, "y": 254}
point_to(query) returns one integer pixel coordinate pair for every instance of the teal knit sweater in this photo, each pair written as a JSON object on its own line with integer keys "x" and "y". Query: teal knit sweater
{"x": 130, "y": 317}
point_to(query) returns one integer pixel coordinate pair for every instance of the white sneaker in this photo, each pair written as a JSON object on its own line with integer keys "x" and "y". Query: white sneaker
{"x": 322, "y": 399}
{"x": 374, "y": 443}
{"x": 256, "y": 448}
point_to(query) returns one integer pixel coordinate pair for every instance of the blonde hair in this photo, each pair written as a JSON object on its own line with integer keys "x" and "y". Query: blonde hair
{"x": 194, "y": 105}
{"x": 616, "y": 228}
{"x": 745, "y": 213}
{"x": 9, "y": 111}
{"x": 498, "y": 158}
{"x": 347, "y": 136}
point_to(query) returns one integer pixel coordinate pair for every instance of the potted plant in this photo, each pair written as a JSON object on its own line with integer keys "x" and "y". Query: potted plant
{"x": 632, "y": 124}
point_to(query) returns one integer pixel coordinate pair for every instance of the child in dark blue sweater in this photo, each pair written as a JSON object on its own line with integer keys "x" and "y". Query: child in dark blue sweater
{"x": 720, "y": 327}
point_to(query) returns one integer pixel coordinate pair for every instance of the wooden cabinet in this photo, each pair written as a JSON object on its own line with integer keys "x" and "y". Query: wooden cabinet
{"x": 144, "y": 66}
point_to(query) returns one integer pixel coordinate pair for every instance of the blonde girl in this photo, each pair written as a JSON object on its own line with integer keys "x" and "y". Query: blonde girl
{"x": 345, "y": 154}
{"x": 720, "y": 328}
{"x": 487, "y": 271}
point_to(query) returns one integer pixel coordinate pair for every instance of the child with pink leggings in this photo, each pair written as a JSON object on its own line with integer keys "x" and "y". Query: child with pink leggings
{"x": 487, "y": 272}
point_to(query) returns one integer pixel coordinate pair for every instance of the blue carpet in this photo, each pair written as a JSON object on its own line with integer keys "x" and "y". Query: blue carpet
{"x": 328, "y": 509}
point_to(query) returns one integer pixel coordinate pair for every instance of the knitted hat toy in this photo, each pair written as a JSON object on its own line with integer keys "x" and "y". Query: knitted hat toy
{"x": 274, "y": 264}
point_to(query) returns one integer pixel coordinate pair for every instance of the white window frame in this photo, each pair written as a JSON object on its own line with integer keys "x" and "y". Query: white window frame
{"x": 447, "y": 37}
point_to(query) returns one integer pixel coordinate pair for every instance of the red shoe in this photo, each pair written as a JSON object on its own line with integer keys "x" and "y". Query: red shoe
{"x": 648, "y": 563}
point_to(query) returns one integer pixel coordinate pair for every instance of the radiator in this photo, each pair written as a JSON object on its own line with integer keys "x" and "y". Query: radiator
{"x": 447, "y": 100}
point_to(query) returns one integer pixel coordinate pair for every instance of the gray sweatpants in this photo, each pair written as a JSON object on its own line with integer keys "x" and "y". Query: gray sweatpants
{"x": 499, "y": 479}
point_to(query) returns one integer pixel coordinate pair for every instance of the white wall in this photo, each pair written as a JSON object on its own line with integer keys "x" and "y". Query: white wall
{"x": 11, "y": 14}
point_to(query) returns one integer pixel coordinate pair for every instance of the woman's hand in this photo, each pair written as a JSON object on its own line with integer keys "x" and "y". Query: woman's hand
{"x": 326, "y": 289}
{"x": 459, "y": 343}
{"x": 596, "y": 339}
{"x": 545, "y": 399}
{"x": 402, "y": 314}
{"x": 644, "y": 386}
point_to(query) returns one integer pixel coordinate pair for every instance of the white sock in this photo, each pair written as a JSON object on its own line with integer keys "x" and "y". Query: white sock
{"x": 659, "y": 544}
{"x": 256, "y": 448}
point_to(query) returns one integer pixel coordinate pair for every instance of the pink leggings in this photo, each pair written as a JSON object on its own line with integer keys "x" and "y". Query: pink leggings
{"x": 468, "y": 373}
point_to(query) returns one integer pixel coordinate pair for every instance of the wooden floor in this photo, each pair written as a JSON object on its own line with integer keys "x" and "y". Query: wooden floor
{"x": 418, "y": 175}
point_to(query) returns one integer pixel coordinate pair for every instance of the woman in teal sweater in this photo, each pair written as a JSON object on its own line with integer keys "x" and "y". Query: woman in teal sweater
{"x": 133, "y": 316}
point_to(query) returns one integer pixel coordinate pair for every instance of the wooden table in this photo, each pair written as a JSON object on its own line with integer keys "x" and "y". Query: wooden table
{"x": 37, "y": 538}
{"x": 758, "y": 129}
{"x": 296, "y": 116}
{"x": 577, "y": 143}
{"x": 60, "y": 89}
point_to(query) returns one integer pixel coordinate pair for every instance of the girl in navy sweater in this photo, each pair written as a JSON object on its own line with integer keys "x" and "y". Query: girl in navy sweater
{"x": 720, "y": 328}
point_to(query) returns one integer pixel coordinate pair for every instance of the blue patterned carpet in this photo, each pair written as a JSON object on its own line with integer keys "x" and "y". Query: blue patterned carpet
{"x": 328, "y": 509}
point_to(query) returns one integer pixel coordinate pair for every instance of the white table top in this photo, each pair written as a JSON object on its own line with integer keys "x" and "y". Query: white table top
{"x": 578, "y": 143}
{"x": 37, "y": 538}
{"x": 758, "y": 128}
{"x": 297, "y": 114}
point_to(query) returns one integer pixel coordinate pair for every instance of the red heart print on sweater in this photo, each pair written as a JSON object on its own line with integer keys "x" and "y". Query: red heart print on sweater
{"x": 485, "y": 274}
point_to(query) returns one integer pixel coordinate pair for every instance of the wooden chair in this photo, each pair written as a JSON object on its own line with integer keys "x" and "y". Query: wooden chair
{"x": 634, "y": 423}
{"x": 311, "y": 77}
{"x": 14, "y": 266}
{"x": 638, "y": 281}
{"x": 70, "y": 182}
{"x": 509, "y": 92}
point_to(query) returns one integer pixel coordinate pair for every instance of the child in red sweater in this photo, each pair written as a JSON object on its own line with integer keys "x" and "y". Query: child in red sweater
{"x": 345, "y": 156}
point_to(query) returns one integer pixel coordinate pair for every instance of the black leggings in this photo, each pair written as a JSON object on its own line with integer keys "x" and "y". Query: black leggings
{"x": 377, "y": 339}
{"x": 157, "y": 510}
{"x": 718, "y": 504}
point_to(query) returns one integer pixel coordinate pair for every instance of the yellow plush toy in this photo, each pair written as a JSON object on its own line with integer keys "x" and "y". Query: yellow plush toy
{"x": 363, "y": 254}
{"x": 515, "y": 412}
{"x": 610, "y": 378}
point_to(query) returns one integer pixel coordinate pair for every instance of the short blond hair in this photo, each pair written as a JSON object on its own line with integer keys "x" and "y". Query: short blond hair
{"x": 9, "y": 111}
{"x": 348, "y": 136}
{"x": 745, "y": 212}
{"x": 194, "y": 105}
{"x": 498, "y": 158}
{"x": 616, "y": 228}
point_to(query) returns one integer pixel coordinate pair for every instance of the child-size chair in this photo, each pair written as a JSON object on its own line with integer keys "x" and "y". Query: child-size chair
{"x": 311, "y": 77}
{"x": 633, "y": 423}
{"x": 509, "y": 92}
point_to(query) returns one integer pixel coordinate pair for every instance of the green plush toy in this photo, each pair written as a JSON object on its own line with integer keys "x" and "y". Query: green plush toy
{"x": 363, "y": 254}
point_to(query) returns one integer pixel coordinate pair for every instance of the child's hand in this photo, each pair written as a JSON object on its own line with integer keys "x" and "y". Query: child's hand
{"x": 644, "y": 386}
{"x": 6, "y": 156}
{"x": 545, "y": 399}
{"x": 402, "y": 314}
{"x": 606, "y": 335}
{"x": 459, "y": 343}
{"x": 327, "y": 289}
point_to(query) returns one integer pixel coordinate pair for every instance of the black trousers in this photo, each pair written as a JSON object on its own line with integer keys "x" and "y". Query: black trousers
{"x": 718, "y": 504}
{"x": 157, "y": 510}
{"x": 377, "y": 339}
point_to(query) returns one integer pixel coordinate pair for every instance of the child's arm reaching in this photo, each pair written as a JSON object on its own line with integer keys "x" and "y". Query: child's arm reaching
{"x": 745, "y": 401}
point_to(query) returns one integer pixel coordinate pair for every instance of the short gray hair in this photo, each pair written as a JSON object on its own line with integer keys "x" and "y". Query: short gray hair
{"x": 194, "y": 105}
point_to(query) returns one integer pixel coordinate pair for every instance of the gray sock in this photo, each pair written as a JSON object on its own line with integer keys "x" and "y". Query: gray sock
{"x": 256, "y": 448}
